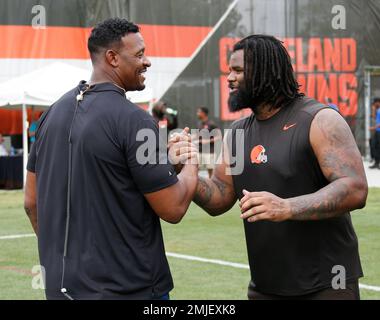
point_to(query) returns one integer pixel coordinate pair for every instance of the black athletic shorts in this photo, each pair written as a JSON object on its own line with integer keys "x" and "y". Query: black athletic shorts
{"x": 350, "y": 293}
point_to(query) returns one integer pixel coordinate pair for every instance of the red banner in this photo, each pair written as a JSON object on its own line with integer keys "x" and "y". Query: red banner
{"x": 325, "y": 69}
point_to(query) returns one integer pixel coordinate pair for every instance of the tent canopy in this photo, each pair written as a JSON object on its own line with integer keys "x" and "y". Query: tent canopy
{"x": 44, "y": 86}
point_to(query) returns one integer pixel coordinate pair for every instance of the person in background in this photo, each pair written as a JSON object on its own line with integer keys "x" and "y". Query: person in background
{"x": 3, "y": 150}
{"x": 375, "y": 140}
{"x": 165, "y": 116}
{"x": 33, "y": 127}
{"x": 207, "y": 155}
{"x": 332, "y": 105}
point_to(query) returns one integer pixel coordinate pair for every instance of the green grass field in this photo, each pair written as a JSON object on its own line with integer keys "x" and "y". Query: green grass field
{"x": 198, "y": 235}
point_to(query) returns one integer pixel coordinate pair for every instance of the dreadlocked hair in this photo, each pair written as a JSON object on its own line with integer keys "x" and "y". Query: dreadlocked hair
{"x": 268, "y": 72}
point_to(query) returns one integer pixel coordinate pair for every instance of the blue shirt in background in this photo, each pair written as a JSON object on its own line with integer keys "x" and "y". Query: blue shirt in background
{"x": 33, "y": 128}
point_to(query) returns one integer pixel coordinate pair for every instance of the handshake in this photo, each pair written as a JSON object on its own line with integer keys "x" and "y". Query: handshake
{"x": 182, "y": 151}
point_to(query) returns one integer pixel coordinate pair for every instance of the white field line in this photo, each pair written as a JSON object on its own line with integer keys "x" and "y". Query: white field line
{"x": 367, "y": 287}
{"x": 17, "y": 236}
{"x": 221, "y": 262}
{"x": 192, "y": 258}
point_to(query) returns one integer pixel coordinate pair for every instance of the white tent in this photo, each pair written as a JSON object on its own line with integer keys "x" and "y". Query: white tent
{"x": 42, "y": 87}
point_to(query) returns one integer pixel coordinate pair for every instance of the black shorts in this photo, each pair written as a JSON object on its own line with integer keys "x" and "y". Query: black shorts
{"x": 350, "y": 293}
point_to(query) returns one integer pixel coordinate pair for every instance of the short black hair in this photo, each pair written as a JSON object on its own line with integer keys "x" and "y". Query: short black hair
{"x": 376, "y": 100}
{"x": 268, "y": 71}
{"x": 204, "y": 110}
{"x": 107, "y": 33}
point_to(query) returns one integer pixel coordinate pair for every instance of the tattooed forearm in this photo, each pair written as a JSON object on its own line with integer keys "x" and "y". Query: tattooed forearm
{"x": 203, "y": 194}
{"x": 221, "y": 187}
{"x": 326, "y": 203}
{"x": 214, "y": 196}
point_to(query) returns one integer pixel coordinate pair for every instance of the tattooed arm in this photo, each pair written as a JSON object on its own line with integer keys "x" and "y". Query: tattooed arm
{"x": 216, "y": 195}
{"x": 341, "y": 164}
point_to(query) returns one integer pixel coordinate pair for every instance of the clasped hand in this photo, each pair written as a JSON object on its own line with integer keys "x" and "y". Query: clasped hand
{"x": 182, "y": 150}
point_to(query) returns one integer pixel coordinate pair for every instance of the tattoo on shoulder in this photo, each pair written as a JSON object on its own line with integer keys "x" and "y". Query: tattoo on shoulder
{"x": 341, "y": 157}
